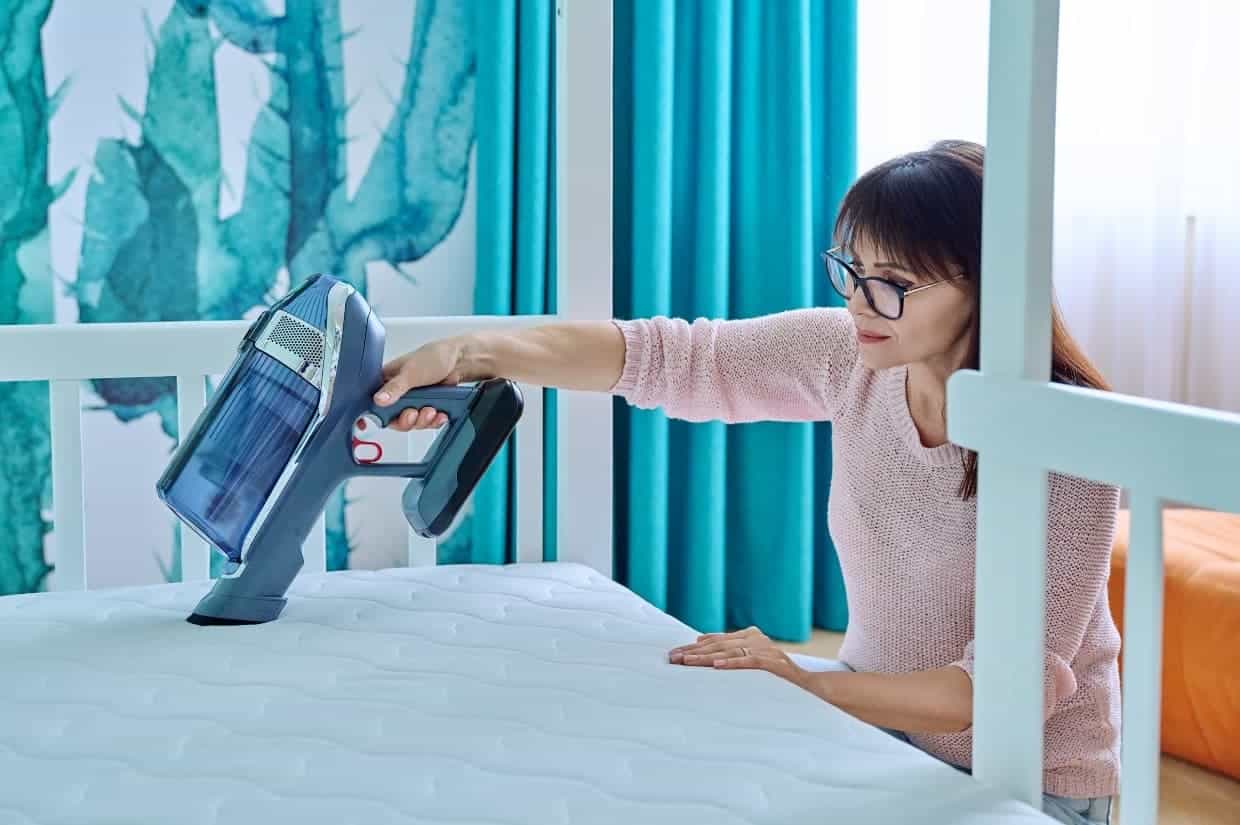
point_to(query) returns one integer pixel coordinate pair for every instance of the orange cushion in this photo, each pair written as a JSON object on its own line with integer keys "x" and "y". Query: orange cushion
{"x": 1201, "y": 634}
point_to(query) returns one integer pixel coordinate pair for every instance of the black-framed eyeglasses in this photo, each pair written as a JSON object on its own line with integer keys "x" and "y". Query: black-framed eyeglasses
{"x": 884, "y": 297}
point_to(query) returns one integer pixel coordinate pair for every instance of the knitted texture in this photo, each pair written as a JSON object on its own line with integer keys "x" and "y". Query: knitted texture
{"x": 906, "y": 540}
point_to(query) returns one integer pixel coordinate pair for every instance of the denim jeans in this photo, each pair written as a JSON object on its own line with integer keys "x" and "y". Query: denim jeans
{"x": 1095, "y": 811}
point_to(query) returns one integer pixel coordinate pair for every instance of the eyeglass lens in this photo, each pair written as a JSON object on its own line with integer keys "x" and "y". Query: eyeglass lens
{"x": 884, "y": 298}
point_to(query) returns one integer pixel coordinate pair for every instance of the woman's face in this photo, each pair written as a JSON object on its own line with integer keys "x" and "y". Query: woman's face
{"x": 934, "y": 326}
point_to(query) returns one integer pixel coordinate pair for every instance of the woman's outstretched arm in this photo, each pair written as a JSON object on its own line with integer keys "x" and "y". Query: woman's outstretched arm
{"x": 789, "y": 366}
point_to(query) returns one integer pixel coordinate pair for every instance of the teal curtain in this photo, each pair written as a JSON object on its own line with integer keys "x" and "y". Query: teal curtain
{"x": 735, "y": 141}
{"x": 516, "y": 231}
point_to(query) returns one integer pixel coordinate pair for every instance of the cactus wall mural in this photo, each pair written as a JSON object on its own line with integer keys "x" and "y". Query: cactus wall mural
{"x": 153, "y": 245}
{"x": 26, "y": 194}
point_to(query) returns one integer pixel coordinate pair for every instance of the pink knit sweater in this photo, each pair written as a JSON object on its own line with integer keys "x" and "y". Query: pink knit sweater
{"x": 904, "y": 537}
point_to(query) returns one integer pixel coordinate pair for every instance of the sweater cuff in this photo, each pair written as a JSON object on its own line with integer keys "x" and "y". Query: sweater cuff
{"x": 1059, "y": 682}
{"x": 634, "y": 356}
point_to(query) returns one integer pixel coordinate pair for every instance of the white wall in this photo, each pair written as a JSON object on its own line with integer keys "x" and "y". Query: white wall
{"x": 921, "y": 75}
{"x": 1147, "y": 204}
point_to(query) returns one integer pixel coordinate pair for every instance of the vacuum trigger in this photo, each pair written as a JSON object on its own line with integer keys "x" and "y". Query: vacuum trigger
{"x": 366, "y": 452}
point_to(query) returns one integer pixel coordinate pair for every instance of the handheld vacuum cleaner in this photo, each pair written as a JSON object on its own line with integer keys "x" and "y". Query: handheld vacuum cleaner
{"x": 289, "y": 423}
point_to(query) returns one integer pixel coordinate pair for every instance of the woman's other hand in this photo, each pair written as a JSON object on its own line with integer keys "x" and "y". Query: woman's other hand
{"x": 748, "y": 649}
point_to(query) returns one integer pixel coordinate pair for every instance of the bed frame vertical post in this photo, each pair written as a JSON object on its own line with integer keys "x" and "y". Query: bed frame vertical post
{"x": 583, "y": 123}
{"x": 530, "y": 474}
{"x": 314, "y": 549}
{"x": 1016, "y": 334}
{"x": 1141, "y": 745}
{"x": 68, "y": 494}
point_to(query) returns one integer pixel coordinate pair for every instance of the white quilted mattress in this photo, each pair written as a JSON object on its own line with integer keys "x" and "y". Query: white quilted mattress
{"x": 456, "y": 694}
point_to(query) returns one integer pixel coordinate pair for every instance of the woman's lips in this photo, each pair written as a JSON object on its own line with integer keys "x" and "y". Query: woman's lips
{"x": 870, "y": 337}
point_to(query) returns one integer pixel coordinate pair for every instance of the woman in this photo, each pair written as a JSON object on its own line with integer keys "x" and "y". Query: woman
{"x": 902, "y": 504}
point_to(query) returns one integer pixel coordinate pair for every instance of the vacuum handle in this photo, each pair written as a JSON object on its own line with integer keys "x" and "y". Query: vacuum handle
{"x": 452, "y": 401}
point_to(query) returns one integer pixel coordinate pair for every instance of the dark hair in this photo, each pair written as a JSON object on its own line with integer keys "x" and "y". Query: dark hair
{"x": 925, "y": 210}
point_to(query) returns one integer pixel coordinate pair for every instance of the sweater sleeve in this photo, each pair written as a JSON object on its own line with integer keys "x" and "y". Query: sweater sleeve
{"x": 1079, "y": 535}
{"x": 788, "y": 366}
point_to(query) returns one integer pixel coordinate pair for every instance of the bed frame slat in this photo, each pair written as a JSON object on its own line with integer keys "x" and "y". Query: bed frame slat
{"x": 314, "y": 549}
{"x": 421, "y": 552}
{"x": 1143, "y": 632}
{"x": 191, "y": 400}
{"x": 584, "y": 149}
{"x": 1016, "y": 255}
{"x": 529, "y": 482}
{"x": 1188, "y": 454}
{"x": 1010, "y": 624}
{"x": 68, "y": 496}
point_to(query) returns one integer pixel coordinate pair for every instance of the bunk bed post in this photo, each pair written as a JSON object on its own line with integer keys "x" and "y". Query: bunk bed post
{"x": 1015, "y": 335}
{"x": 583, "y": 163}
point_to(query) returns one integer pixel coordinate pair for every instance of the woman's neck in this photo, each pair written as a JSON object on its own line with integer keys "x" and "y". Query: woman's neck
{"x": 926, "y": 392}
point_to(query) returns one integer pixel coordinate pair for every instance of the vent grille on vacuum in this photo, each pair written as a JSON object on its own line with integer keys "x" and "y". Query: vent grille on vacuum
{"x": 300, "y": 339}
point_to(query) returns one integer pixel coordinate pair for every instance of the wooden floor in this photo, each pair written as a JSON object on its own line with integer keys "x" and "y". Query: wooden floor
{"x": 1188, "y": 795}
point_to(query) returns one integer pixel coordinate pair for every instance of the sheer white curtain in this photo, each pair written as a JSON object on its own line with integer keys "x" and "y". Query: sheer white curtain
{"x": 1147, "y": 179}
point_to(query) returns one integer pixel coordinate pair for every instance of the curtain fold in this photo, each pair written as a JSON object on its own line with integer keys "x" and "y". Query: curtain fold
{"x": 735, "y": 139}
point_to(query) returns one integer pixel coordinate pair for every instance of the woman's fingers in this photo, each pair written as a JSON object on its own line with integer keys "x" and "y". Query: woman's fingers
{"x": 405, "y": 421}
{"x": 689, "y": 652}
{"x": 735, "y": 634}
{"x": 706, "y": 657}
{"x": 709, "y": 645}
{"x": 749, "y": 657}
{"x": 691, "y": 660}
{"x": 710, "y": 638}
{"x": 425, "y": 418}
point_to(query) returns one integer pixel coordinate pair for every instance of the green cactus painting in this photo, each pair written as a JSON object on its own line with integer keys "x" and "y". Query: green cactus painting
{"x": 153, "y": 245}
{"x": 154, "y": 249}
{"x": 25, "y": 288}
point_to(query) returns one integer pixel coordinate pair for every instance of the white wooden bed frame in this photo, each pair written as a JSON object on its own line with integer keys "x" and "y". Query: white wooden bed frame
{"x": 1022, "y": 425}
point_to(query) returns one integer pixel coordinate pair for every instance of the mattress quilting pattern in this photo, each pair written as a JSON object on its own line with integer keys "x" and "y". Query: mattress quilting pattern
{"x": 459, "y": 694}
